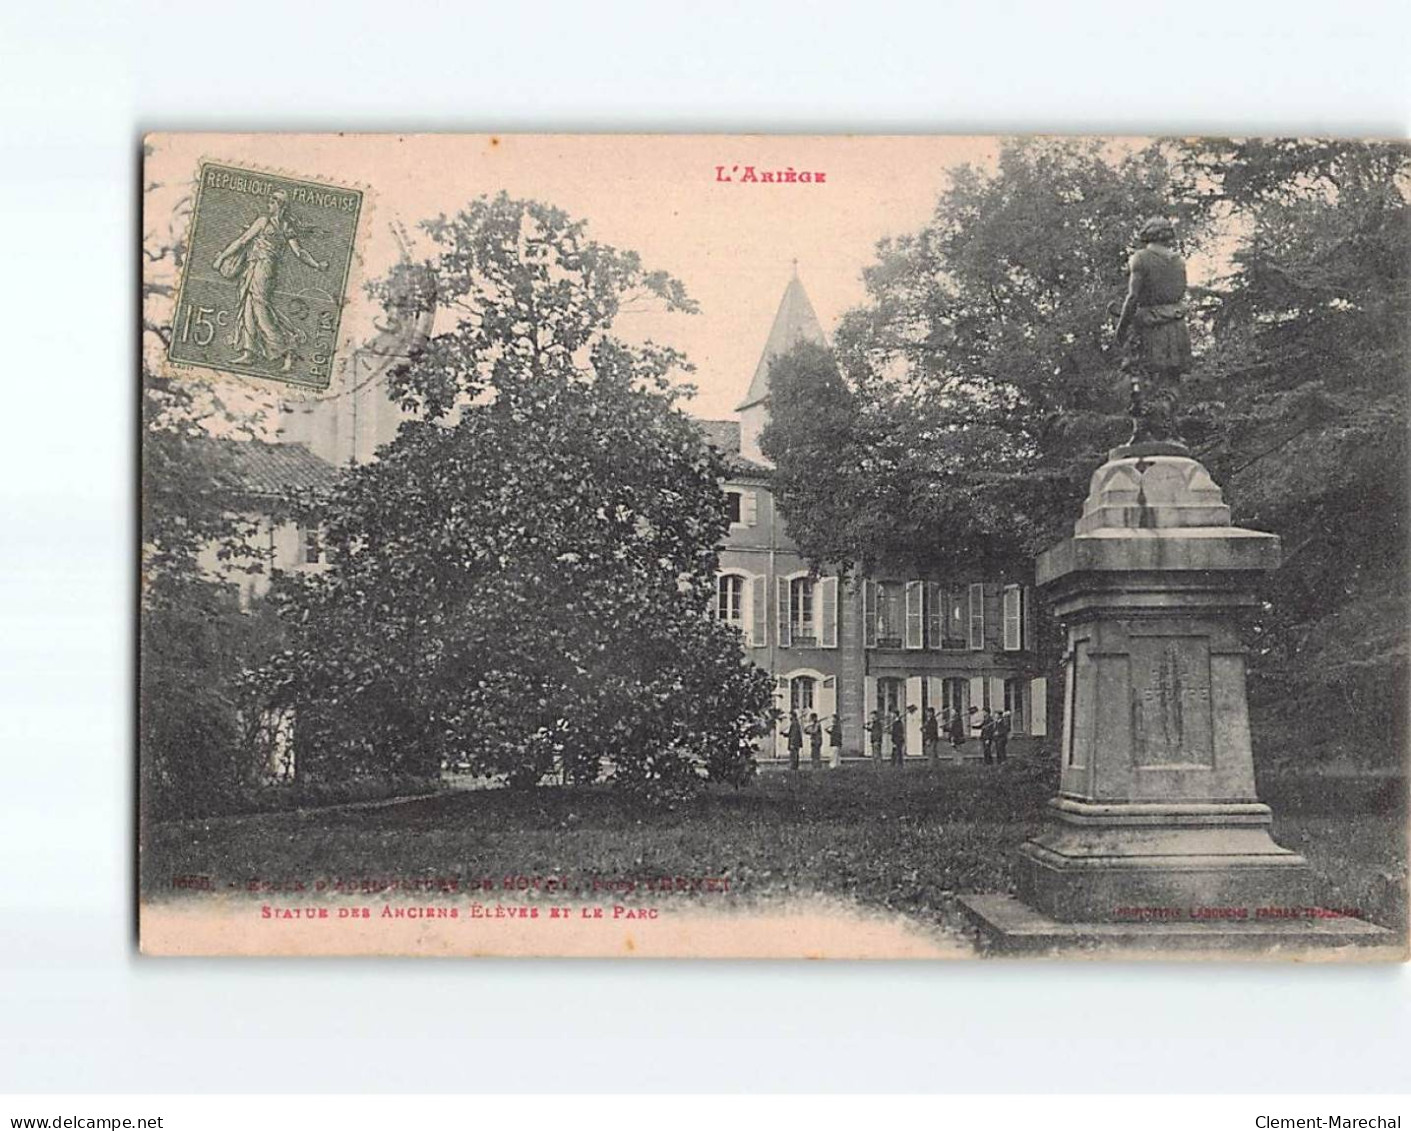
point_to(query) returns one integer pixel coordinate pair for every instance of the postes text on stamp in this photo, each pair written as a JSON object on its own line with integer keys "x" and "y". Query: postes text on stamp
{"x": 267, "y": 265}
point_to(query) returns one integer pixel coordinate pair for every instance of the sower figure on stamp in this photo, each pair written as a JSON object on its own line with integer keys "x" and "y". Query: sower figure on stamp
{"x": 1155, "y": 308}
{"x": 261, "y": 330}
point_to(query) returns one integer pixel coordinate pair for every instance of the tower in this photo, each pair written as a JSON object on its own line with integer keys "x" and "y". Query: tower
{"x": 794, "y": 322}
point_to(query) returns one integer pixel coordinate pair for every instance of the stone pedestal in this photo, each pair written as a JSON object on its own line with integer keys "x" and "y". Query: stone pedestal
{"x": 1157, "y": 842}
{"x": 1157, "y": 813}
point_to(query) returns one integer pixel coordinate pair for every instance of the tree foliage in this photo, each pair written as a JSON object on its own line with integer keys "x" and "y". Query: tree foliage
{"x": 520, "y": 582}
{"x": 1309, "y": 362}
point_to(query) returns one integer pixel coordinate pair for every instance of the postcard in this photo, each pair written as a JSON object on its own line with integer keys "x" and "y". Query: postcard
{"x": 773, "y": 547}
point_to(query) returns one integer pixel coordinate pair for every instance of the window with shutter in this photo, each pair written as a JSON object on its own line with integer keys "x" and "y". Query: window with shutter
{"x": 803, "y": 626}
{"x": 977, "y": 617}
{"x": 732, "y": 506}
{"x": 730, "y": 599}
{"x": 827, "y": 590}
{"x": 1013, "y": 636}
{"x": 915, "y": 618}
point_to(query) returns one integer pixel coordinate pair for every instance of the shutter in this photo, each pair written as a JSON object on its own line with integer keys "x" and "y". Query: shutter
{"x": 827, "y": 705}
{"x": 977, "y": 618}
{"x": 915, "y": 620}
{"x": 759, "y": 611}
{"x": 1038, "y": 707}
{"x": 996, "y": 695}
{"x": 1026, "y": 615}
{"x": 750, "y": 502}
{"x": 1013, "y": 639}
{"x": 913, "y": 713}
{"x": 783, "y": 630}
{"x": 869, "y": 618}
{"x": 827, "y": 590}
{"x": 976, "y": 700}
{"x": 935, "y": 613}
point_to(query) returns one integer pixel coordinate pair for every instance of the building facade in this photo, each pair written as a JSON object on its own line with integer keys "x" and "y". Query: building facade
{"x": 894, "y": 643}
{"x": 266, "y": 478}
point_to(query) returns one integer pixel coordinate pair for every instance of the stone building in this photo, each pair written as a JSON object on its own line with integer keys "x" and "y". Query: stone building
{"x": 896, "y": 642}
{"x": 265, "y": 479}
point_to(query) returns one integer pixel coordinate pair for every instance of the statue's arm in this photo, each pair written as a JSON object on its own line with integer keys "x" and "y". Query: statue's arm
{"x": 241, "y": 240}
{"x": 1135, "y": 276}
{"x": 304, "y": 256}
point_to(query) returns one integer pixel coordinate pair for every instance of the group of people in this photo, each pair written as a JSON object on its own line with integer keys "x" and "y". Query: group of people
{"x": 993, "y": 729}
{"x": 807, "y": 726}
{"x": 950, "y": 724}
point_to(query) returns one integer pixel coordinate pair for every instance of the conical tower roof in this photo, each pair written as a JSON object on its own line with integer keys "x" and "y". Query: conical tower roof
{"x": 794, "y": 322}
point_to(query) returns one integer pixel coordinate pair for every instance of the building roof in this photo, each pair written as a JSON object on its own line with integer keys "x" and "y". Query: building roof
{"x": 724, "y": 437}
{"x": 277, "y": 469}
{"x": 794, "y": 322}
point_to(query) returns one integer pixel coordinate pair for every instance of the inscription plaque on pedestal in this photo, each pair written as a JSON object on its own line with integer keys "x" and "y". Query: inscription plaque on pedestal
{"x": 1171, "y": 722}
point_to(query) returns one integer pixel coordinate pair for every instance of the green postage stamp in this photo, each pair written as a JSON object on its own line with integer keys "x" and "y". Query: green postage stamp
{"x": 267, "y": 263}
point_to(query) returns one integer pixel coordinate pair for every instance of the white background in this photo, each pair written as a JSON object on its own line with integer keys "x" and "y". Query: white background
{"x": 78, "y": 83}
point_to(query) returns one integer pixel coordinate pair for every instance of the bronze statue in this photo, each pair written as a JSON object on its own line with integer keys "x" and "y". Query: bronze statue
{"x": 1155, "y": 308}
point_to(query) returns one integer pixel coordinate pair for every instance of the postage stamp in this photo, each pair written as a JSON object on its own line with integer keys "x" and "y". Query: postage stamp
{"x": 268, "y": 260}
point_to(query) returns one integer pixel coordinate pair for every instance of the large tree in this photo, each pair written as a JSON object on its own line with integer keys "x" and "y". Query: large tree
{"x": 1308, "y": 370}
{"x": 521, "y": 580}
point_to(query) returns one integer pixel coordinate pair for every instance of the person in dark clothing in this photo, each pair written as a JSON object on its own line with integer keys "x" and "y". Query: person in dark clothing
{"x": 874, "y": 727}
{"x": 931, "y": 736}
{"x": 795, "y": 738}
{"x": 815, "y": 741}
{"x": 898, "y": 739}
{"x": 987, "y": 737}
{"x": 957, "y": 729}
{"x": 1003, "y": 725}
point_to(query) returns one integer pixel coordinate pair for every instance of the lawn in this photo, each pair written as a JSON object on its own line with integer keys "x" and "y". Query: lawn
{"x": 903, "y": 840}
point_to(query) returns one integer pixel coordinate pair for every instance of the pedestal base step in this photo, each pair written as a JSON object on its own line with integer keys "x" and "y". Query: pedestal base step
{"x": 1015, "y": 928}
